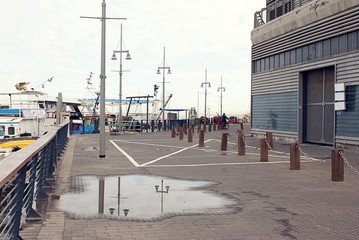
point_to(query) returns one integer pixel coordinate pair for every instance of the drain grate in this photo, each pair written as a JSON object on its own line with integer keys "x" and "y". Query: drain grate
{"x": 90, "y": 149}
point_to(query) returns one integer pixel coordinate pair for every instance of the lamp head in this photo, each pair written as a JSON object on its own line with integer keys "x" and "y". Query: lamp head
{"x": 158, "y": 71}
{"x": 128, "y": 56}
{"x": 169, "y": 71}
{"x": 114, "y": 56}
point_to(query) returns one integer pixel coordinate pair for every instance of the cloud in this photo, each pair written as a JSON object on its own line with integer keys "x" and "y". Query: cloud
{"x": 52, "y": 40}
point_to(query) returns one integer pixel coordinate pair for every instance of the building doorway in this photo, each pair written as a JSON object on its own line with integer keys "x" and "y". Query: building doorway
{"x": 318, "y": 106}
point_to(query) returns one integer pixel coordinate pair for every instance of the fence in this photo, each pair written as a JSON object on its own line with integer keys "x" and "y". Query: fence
{"x": 23, "y": 177}
{"x": 276, "y": 8}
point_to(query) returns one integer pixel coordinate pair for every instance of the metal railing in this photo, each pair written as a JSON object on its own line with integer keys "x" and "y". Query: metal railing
{"x": 23, "y": 177}
{"x": 275, "y": 9}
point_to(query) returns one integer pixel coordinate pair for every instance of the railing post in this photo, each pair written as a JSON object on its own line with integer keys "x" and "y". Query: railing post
{"x": 31, "y": 214}
{"x": 40, "y": 193}
{"x": 18, "y": 200}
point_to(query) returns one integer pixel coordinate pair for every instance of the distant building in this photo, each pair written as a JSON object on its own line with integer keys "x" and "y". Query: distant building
{"x": 305, "y": 71}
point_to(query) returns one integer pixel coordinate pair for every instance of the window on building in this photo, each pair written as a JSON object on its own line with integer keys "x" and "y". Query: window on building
{"x": 11, "y": 130}
{"x": 311, "y": 52}
{"x": 343, "y": 43}
{"x": 281, "y": 60}
{"x": 298, "y": 54}
{"x": 305, "y": 53}
{"x": 334, "y": 46}
{"x": 287, "y": 58}
{"x": 276, "y": 61}
{"x": 262, "y": 65}
{"x": 319, "y": 50}
{"x": 271, "y": 62}
{"x": 266, "y": 64}
{"x": 352, "y": 41}
{"x": 326, "y": 48}
{"x": 292, "y": 56}
{"x": 2, "y": 130}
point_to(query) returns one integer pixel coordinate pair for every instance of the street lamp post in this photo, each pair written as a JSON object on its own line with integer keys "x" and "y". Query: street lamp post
{"x": 163, "y": 82}
{"x": 205, "y": 83}
{"x": 222, "y": 89}
{"x": 128, "y": 57}
{"x": 103, "y": 77}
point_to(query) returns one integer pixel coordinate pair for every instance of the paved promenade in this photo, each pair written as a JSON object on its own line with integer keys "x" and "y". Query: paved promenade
{"x": 269, "y": 200}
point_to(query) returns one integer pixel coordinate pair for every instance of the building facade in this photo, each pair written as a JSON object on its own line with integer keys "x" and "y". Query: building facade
{"x": 305, "y": 72}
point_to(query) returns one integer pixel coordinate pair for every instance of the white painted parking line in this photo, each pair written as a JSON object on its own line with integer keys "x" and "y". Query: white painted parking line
{"x": 149, "y": 144}
{"x": 217, "y": 164}
{"x": 171, "y": 154}
{"x": 126, "y": 155}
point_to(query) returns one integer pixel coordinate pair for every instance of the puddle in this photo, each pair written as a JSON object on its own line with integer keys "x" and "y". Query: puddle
{"x": 134, "y": 197}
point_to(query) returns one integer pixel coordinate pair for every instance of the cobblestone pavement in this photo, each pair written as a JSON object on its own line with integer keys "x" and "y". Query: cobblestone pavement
{"x": 271, "y": 201}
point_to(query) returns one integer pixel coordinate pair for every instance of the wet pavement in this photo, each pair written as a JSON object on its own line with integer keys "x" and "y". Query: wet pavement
{"x": 212, "y": 194}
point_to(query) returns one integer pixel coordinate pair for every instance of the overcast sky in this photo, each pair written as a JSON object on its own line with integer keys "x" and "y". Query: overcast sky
{"x": 45, "y": 38}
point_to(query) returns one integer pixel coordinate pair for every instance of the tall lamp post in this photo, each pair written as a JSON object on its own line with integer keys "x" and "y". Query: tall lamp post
{"x": 103, "y": 76}
{"x": 128, "y": 57}
{"x": 205, "y": 83}
{"x": 222, "y": 89}
{"x": 163, "y": 82}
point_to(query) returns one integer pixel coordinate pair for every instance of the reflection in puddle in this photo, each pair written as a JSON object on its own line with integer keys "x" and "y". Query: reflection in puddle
{"x": 140, "y": 197}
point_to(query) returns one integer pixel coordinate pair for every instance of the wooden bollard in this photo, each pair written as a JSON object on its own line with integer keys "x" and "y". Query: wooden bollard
{"x": 204, "y": 127}
{"x": 214, "y": 127}
{"x": 269, "y": 138}
{"x": 224, "y": 141}
{"x": 263, "y": 151}
{"x": 173, "y": 133}
{"x": 190, "y": 135}
{"x": 177, "y": 127}
{"x": 294, "y": 156}
{"x": 180, "y": 133}
{"x": 201, "y": 138}
{"x": 210, "y": 128}
{"x": 337, "y": 165}
{"x": 241, "y": 125}
{"x": 184, "y": 128}
{"x": 241, "y": 143}
{"x": 192, "y": 128}
{"x": 199, "y": 128}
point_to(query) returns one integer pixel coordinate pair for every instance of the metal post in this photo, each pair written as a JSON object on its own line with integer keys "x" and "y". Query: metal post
{"x": 269, "y": 138}
{"x": 190, "y": 135}
{"x": 241, "y": 144}
{"x": 180, "y": 133}
{"x": 263, "y": 151}
{"x": 337, "y": 165}
{"x": 294, "y": 156}
{"x": 173, "y": 133}
{"x": 102, "y": 153}
{"x": 201, "y": 138}
{"x": 224, "y": 141}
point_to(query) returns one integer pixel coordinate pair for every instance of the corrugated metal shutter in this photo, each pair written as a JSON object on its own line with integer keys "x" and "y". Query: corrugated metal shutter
{"x": 275, "y": 111}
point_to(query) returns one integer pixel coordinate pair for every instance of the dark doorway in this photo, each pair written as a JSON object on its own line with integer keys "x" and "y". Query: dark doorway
{"x": 318, "y": 102}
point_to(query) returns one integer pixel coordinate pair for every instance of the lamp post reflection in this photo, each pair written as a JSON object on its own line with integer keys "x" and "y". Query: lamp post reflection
{"x": 112, "y": 210}
{"x": 162, "y": 192}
